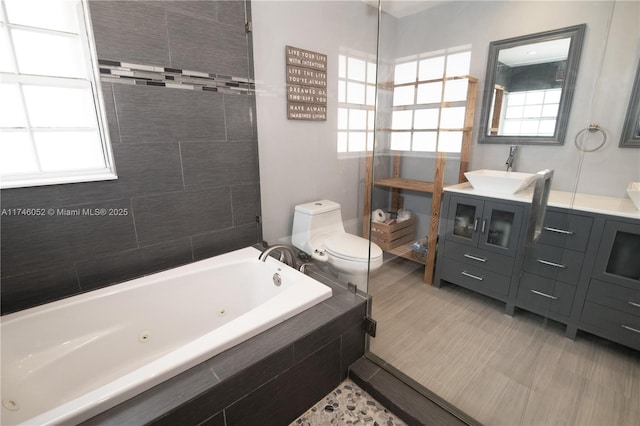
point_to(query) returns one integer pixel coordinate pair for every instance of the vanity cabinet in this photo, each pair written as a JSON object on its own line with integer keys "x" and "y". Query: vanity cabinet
{"x": 612, "y": 303}
{"x": 584, "y": 270}
{"x": 480, "y": 244}
{"x": 553, "y": 265}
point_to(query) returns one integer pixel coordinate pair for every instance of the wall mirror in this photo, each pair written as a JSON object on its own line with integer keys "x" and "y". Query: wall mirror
{"x": 529, "y": 86}
{"x": 631, "y": 131}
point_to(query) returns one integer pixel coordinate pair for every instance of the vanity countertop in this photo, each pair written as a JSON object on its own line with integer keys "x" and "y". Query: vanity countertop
{"x": 589, "y": 203}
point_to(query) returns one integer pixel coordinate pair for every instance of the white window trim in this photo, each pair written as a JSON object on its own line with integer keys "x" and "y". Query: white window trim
{"x": 68, "y": 176}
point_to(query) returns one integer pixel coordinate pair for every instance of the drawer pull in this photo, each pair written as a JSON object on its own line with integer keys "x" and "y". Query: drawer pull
{"x": 558, "y": 231}
{"x": 555, "y": 265}
{"x": 637, "y": 305}
{"x": 475, "y": 277}
{"x": 548, "y": 296}
{"x": 479, "y": 259}
{"x": 626, "y": 327}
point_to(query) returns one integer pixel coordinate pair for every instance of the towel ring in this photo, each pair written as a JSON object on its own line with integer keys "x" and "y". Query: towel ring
{"x": 593, "y": 128}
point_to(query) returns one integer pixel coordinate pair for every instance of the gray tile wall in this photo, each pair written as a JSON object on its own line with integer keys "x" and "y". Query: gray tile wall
{"x": 187, "y": 162}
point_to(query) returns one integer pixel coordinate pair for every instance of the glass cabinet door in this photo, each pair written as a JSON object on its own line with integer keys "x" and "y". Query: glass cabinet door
{"x": 619, "y": 255}
{"x": 500, "y": 227}
{"x": 464, "y": 217}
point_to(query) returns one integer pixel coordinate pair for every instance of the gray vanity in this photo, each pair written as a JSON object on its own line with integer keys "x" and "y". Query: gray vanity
{"x": 584, "y": 271}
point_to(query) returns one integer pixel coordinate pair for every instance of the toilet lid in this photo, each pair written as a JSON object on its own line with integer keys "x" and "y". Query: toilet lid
{"x": 351, "y": 247}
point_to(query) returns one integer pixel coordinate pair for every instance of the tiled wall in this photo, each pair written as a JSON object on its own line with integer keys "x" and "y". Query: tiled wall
{"x": 187, "y": 161}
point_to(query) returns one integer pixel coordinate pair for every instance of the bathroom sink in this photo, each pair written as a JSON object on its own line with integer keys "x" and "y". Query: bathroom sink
{"x": 634, "y": 193}
{"x": 500, "y": 181}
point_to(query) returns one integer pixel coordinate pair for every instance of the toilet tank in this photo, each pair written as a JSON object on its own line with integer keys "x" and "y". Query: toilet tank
{"x": 313, "y": 221}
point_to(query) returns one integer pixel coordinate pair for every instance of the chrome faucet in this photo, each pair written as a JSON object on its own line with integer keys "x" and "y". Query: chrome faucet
{"x": 512, "y": 157}
{"x": 287, "y": 255}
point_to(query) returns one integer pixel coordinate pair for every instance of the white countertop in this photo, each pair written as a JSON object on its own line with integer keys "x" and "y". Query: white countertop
{"x": 589, "y": 203}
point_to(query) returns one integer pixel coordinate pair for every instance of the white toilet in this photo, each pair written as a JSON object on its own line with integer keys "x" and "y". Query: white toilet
{"x": 319, "y": 232}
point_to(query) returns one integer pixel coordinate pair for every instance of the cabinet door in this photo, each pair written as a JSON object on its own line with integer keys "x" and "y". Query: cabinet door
{"x": 499, "y": 227}
{"x": 619, "y": 254}
{"x": 465, "y": 215}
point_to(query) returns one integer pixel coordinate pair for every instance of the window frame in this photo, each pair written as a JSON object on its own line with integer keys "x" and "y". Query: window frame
{"x": 91, "y": 82}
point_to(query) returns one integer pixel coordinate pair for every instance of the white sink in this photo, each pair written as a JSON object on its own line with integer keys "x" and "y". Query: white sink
{"x": 634, "y": 193}
{"x": 500, "y": 181}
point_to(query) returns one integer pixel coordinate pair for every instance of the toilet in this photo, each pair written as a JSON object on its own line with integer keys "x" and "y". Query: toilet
{"x": 319, "y": 232}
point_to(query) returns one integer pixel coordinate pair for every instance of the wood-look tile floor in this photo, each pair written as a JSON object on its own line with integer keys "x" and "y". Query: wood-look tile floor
{"x": 500, "y": 370}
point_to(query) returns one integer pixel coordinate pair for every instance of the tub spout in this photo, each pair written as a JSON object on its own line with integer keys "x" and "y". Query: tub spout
{"x": 287, "y": 255}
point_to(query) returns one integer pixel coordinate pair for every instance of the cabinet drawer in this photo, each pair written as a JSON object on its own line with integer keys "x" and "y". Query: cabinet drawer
{"x": 554, "y": 262}
{"x": 614, "y": 296}
{"x": 476, "y": 279}
{"x": 566, "y": 230}
{"x": 612, "y": 324}
{"x": 480, "y": 258}
{"x": 543, "y": 295}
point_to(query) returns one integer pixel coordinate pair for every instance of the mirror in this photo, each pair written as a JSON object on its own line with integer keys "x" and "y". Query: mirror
{"x": 529, "y": 86}
{"x": 631, "y": 132}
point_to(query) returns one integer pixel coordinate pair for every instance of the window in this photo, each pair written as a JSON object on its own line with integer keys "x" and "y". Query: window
{"x": 356, "y": 99}
{"x": 429, "y": 98}
{"x": 531, "y": 112}
{"x": 51, "y": 116}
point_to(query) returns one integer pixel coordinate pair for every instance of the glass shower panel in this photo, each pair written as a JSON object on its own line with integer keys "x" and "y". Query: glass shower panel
{"x": 571, "y": 298}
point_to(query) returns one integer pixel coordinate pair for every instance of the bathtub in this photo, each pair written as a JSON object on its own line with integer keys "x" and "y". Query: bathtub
{"x": 69, "y": 360}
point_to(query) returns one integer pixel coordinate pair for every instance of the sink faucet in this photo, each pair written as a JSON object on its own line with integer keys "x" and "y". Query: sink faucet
{"x": 287, "y": 255}
{"x": 512, "y": 157}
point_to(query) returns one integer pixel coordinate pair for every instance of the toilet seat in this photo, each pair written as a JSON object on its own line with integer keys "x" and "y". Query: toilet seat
{"x": 352, "y": 248}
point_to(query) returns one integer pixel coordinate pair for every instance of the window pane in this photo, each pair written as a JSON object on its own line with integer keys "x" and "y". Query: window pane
{"x": 458, "y": 64}
{"x": 405, "y": 73}
{"x": 342, "y": 141}
{"x": 48, "y": 54}
{"x": 356, "y": 69}
{"x": 401, "y": 120}
{"x": 16, "y": 153}
{"x": 511, "y": 127}
{"x": 371, "y": 94}
{"x": 11, "y": 109}
{"x": 343, "y": 118}
{"x": 57, "y": 15}
{"x": 431, "y": 69}
{"x": 455, "y": 90}
{"x": 59, "y": 106}
{"x": 355, "y": 93}
{"x": 535, "y": 97}
{"x": 342, "y": 91}
{"x": 424, "y": 141}
{"x": 547, "y": 127}
{"x": 403, "y": 95}
{"x": 69, "y": 150}
{"x": 371, "y": 73}
{"x": 357, "y": 119}
{"x": 357, "y": 141}
{"x": 426, "y": 118}
{"x": 6, "y": 62}
{"x": 529, "y": 127}
{"x": 429, "y": 93}
{"x": 401, "y": 141}
{"x": 452, "y": 118}
{"x": 533, "y": 111}
{"x": 550, "y": 110}
{"x": 342, "y": 66}
{"x": 515, "y": 98}
{"x": 371, "y": 120}
{"x": 552, "y": 96}
{"x": 515, "y": 112}
{"x": 369, "y": 141}
{"x": 450, "y": 141}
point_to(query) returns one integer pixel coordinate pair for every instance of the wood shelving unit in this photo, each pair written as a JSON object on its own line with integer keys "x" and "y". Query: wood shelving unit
{"x": 397, "y": 183}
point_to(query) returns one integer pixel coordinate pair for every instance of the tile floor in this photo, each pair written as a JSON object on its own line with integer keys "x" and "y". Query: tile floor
{"x": 348, "y": 404}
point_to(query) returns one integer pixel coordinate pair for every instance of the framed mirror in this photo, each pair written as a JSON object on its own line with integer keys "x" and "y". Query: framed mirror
{"x": 631, "y": 131}
{"x": 529, "y": 87}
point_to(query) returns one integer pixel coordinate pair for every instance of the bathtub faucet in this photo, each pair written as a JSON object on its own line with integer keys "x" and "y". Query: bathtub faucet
{"x": 287, "y": 255}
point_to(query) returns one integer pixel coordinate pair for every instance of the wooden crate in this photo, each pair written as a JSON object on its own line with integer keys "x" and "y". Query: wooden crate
{"x": 389, "y": 236}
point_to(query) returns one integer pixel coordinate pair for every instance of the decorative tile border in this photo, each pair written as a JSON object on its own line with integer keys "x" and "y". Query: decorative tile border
{"x": 151, "y": 75}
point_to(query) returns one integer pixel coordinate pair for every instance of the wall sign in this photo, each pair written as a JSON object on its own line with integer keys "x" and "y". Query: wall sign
{"x": 306, "y": 85}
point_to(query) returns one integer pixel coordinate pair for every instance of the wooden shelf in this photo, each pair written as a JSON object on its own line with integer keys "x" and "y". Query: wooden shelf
{"x": 404, "y": 251}
{"x": 411, "y": 184}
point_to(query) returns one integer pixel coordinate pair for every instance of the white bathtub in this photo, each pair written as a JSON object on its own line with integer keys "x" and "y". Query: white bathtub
{"x": 69, "y": 360}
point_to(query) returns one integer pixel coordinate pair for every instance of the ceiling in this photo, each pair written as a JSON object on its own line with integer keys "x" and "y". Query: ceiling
{"x": 402, "y": 8}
